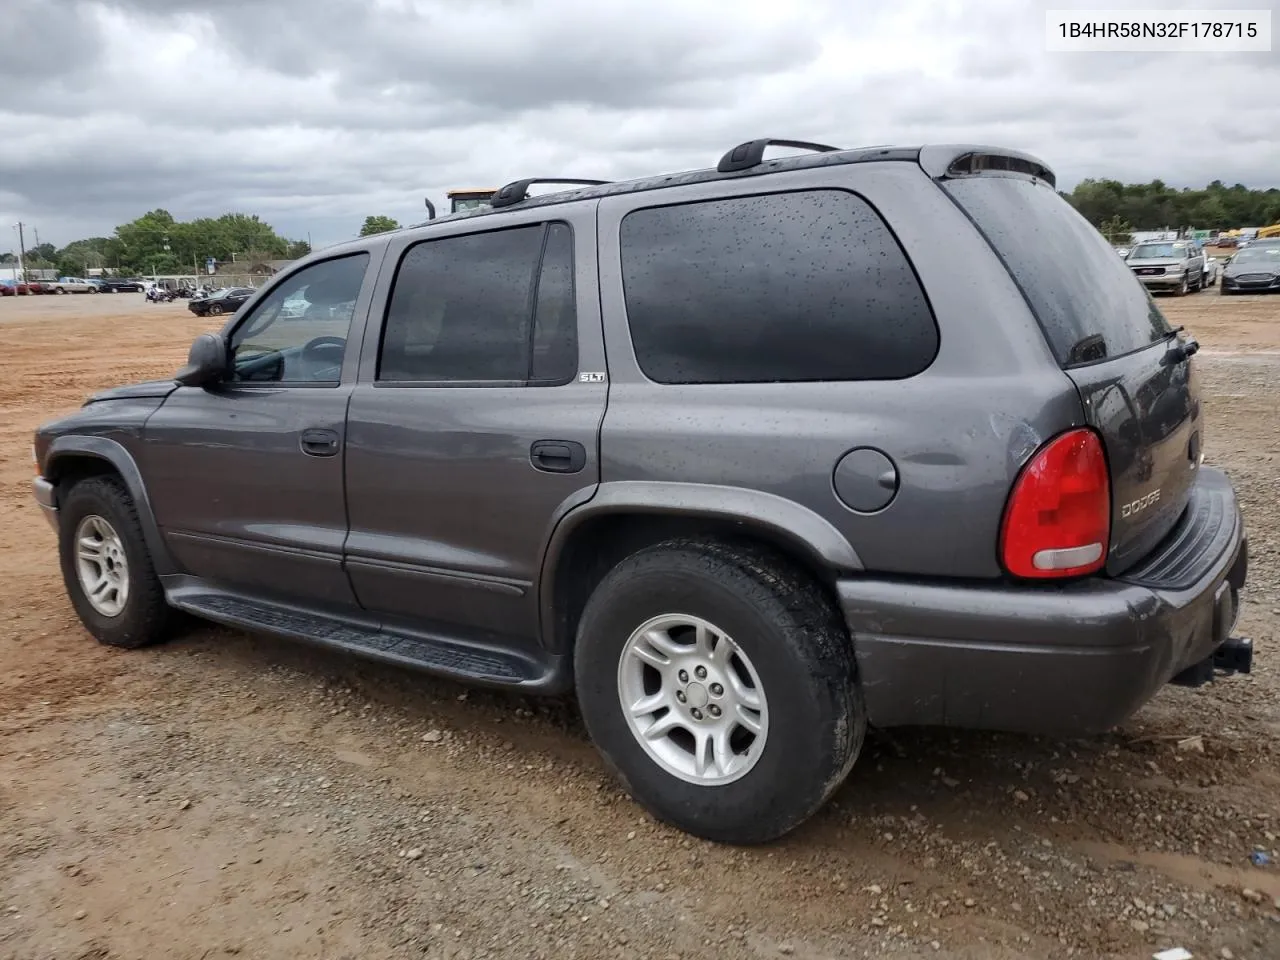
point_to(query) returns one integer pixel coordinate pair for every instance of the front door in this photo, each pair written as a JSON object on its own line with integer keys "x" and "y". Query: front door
{"x": 245, "y": 476}
{"x": 471, "y": 428}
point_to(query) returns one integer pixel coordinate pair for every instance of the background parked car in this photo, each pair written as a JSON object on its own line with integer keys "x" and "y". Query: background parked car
{"x": 120, "y": 285}
{"x": 1212, "y": 269}
{"x": 1255, "y": 269}
{"x": 14, "y": 288}
{"x": 226, "y": 300}
{"x": 73, "y": 285}
{"x": 1174, "y": 265}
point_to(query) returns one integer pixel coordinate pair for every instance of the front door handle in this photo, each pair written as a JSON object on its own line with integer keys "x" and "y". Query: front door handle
{"x": 319, "y": 443}
{"x": 558, "y": 456}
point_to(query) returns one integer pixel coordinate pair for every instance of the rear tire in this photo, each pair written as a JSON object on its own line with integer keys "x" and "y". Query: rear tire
{"x": 107, "y": 568}
{"x": 745, "y": 637}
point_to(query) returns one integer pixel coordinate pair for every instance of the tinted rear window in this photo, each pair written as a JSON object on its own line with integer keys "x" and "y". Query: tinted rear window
{"x": 784, "y": 287}
{"x": 1087, "y": 300}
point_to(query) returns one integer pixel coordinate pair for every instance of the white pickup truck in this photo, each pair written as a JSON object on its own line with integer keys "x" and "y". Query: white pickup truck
{"x": 70, "y": 285}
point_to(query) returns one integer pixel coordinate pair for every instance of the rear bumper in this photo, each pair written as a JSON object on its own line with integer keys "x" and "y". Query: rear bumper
{"x": 47, "y": 499}
{"x": 1077, "y": 658}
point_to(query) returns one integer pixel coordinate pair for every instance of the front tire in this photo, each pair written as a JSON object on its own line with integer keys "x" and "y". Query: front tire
{"x": 719, "y": 684}
{"x": 107, "y": 568}
{"x": 215, "y": 310}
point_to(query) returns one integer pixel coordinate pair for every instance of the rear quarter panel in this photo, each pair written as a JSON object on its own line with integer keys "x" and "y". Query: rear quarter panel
{"x": 958, "y": 432}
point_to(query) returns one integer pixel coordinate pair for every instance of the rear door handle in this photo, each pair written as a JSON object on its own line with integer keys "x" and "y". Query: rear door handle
{"x": 319, "y": 443}
{"x": 558, "y": 456}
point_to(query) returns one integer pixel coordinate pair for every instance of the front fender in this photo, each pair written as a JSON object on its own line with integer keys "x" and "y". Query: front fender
{"x": 67, "y": 449}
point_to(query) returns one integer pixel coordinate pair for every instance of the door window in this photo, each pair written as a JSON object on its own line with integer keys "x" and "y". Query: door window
{"x": 493, "y": 307}
{"x": 298, "y": 333}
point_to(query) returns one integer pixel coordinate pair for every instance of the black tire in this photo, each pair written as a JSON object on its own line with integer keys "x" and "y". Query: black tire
{"x": 146, "y": 618}
{"x": 796, "y": 640}
{"x": 59, "y": 290}
{"x": 215, "y": 310}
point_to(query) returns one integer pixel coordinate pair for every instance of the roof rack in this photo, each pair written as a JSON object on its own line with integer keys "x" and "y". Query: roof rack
{"x": 751, "y": 154}
{"x": 518, "y": 190}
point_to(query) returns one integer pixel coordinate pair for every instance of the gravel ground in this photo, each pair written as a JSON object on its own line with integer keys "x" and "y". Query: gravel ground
{"x": 236, "y": 795}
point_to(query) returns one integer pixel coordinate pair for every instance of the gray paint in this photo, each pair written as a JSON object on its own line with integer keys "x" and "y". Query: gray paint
{"x": 431, "y": 529}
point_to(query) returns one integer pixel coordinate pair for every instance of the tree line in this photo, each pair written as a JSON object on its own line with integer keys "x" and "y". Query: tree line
{"x": 157, "y": 243}
{"x": 1117, "y": 208}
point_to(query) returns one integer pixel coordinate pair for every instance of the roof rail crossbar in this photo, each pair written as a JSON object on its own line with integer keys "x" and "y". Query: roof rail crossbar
{"x": 750, "y": 154}
{"x": 518, "y": 190}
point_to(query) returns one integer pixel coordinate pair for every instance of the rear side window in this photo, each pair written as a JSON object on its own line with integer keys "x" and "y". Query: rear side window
{"x": 791, "y": 287}
{"x": 486, "y": 307}
{"x": 1088, "y": 302}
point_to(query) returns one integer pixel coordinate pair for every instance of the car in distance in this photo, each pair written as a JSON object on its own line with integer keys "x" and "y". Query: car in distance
{"x": 223, "y": 300}
{"x": 14, "y": 288}
{"x": 1253, "y": 269}
{"x": 71, "y": 285}
{"x": 1173, "y": 266}
{"x": 1212, "y": 270}
{"x": 120, "y": 285}
{"x": 749, "y": 458}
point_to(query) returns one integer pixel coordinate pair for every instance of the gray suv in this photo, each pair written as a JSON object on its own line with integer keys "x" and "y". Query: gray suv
{"x": 1176, "y": 266}
{"x": 748, "y": 458}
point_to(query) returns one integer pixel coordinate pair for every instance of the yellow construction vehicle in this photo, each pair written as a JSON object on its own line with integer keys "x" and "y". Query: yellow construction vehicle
{"x": 1271, "y": 231}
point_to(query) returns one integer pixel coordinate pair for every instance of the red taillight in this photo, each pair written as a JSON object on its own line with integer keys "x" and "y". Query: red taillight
{"x": 1058, "y": 519}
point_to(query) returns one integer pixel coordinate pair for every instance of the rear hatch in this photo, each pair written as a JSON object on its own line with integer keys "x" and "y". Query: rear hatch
{"x": 1111, "y": 339}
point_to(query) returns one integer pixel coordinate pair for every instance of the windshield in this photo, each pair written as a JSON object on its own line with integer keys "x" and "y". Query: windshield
{"x": 1145, "y": 251}
{"x": 1088, "y": 302}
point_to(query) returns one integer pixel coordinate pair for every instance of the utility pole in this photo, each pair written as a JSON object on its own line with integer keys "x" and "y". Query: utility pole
{"x": 22, "y": 253}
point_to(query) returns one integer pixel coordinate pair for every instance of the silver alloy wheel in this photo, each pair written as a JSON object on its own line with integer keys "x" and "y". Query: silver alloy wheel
{"x": 101, "y": 566}
{"x": 692, "y": 699}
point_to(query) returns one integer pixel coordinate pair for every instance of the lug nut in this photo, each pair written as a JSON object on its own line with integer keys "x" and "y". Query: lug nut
{"x": 684, "y": 676}
{"x": 680, "y": 696}
{"x": 713, "y": 710}
{"x": 696, "y": 713}
{"x": 716, "y": 690}
{"x": 701, "y": 672}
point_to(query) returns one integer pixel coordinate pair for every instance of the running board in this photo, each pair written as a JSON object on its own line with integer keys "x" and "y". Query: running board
{"x": 434, "y": 654}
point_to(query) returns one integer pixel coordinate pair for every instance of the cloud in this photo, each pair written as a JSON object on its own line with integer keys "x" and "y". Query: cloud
{"x": 315, "y": 113}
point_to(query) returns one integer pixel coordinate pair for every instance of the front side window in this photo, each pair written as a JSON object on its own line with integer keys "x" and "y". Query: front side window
{"x": 280, "y": 344}
{"x": 483, "y": 308}
{"x": 785, "y": 287}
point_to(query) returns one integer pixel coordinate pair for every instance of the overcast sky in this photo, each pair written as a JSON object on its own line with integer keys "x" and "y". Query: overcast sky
{"x": 315, "y": 113}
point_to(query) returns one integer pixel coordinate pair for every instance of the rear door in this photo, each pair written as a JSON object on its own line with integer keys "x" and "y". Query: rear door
{"x": 1112, "y": 340}
{"x": 471, "y": 429}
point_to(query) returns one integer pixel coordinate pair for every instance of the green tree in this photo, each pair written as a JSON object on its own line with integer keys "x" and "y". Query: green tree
{"x": 1118, "y": 231}
{"x": 8, "y": 258}
{"x": 378, "y": 224}
{"x": 1156, "y": 205}
{"x": 43, "y": 253}
{"x": 297, "y": 249}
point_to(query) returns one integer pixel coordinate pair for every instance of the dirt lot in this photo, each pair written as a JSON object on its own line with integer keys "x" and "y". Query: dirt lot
{"x": 235, "y": 795}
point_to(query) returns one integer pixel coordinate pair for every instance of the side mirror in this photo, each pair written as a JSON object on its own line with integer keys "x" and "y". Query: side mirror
{"x": 206, "y": 361}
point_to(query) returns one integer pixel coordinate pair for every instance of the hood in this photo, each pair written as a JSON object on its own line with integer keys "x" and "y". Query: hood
{"x": 133, "y": 391}
{"x": 1270, "y": 265}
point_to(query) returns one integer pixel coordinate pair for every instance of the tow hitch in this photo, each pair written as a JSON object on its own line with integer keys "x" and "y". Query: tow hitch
{"x": 1234, "y": 655}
